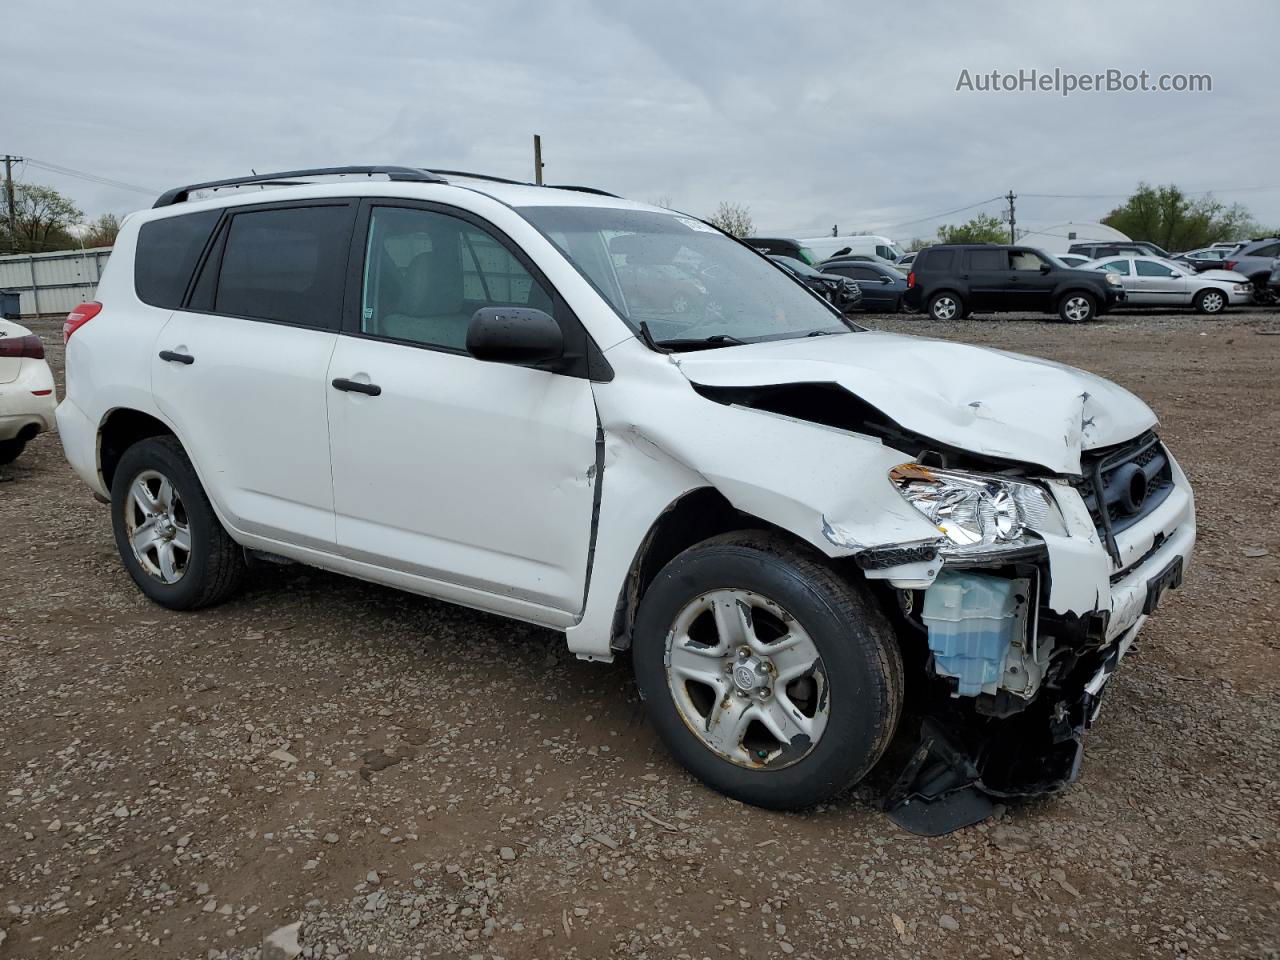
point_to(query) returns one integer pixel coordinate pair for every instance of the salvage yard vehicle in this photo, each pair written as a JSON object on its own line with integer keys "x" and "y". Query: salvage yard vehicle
{"x": 1254, "y": 259}
{"x": 27, "y": 398}
{"x": 1152, "y": 281}
{"x": 798, "y": 528}
{"x": 882, "y": 287}
{"x": 951, "y": 281}
{"x": 839, "y": 291}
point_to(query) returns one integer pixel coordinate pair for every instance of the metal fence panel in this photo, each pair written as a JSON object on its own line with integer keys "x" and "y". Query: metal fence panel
{"x": 53, "y": 283}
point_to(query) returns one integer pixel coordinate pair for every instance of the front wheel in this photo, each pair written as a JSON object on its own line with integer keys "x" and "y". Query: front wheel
{"x": 769, "y": 677}
{"x": 168, "y": 536}
{"x": 1210, "y": 301}
{"x": 1077, "y": 307}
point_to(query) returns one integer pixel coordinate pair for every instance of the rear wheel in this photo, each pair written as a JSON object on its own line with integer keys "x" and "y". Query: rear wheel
{"x": 168, "y": 536}
{"x": 10, "y": 450}
{"x": 1210, "y": 301}
{"x": 768, "y": 676}
{"x": 946, "y": 306}
{"x": 1077, "y": 307}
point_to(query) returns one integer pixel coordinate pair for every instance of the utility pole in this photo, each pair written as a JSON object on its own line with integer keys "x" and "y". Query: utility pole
{"x": 8, "y": 194}
{"x": 537, "y": 159}
{"x": 1013, "y": 236}
{"x": 835, "y": 232}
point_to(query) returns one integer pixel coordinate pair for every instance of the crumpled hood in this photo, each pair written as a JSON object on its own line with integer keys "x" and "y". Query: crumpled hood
{"x": 990, "y": 402}
{"x": 1228, "y": 275}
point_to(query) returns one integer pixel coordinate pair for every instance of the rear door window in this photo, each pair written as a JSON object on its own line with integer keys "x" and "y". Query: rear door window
{"x": 166, "y": 255}
{"x": 1117, "y": 266}
{"x": 286, "y": 264}
{"x": 988, "y": 260}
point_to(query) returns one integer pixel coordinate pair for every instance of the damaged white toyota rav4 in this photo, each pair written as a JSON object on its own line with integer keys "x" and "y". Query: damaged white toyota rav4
{"x": 615, "y": 421}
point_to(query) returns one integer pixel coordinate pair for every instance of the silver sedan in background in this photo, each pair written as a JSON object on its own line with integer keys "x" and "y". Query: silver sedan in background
{"x": 1154, "y": 281}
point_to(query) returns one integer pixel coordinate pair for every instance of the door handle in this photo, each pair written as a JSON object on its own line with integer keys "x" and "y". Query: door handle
{"x": 355, "y": 386}
{"x": 177, "y": 357}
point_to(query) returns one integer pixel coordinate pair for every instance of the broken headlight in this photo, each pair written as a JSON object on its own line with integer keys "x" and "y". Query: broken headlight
{"x": 978, "y": 513}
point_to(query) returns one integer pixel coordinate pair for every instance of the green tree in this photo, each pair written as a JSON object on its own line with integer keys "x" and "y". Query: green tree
{"x": 983, "y": 228}
{"x": 102, "y": 232}
{"x": 1168, "y": 217}
{"x": 733, "y": 219}
{"x": 44, "y": 218}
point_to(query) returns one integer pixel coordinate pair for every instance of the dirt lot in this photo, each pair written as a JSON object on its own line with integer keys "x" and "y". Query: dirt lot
{"x": 464, "y": 788}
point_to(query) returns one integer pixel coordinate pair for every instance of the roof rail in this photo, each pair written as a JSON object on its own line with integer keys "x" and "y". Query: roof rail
{"x": 523, "y": 183}
{"x": 409, "y": 174}
{"x": 596, "y": 190}
{"x": 481, "y": 176}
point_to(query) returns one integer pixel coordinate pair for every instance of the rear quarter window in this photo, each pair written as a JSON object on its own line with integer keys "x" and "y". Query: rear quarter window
{"x": 166, "y": 256}
{"x": 935, "y": 260}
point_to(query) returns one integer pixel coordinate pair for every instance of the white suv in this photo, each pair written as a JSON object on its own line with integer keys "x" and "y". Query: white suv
{"x": 481, "y": 391}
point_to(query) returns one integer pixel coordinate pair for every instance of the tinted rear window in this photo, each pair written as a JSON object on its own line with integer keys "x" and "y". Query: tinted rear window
{"x": 988, "y": 260}
{"x": 167, "y": 253}
{"x": 935, "y": 259}
{"x": 286, "y": 264}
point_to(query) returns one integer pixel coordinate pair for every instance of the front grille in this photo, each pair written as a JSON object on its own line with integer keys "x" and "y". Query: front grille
{"x": 1123, "y": 484}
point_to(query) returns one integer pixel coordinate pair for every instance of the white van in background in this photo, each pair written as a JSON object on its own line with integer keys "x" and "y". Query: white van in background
{"x": 826, "y": 247}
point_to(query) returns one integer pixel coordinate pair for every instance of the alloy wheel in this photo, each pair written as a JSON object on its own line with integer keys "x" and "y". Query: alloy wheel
{"x": 945, "y": 308}
{"x": 747, "y": 679}
{"x": 156, "y": 525}
{"x": 1077, "y": 309}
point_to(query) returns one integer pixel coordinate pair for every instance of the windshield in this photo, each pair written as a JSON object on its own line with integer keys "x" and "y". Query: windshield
{"x": 681, "y": 278}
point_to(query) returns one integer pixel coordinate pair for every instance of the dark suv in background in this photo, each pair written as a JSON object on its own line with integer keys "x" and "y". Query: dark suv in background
{"x": 951, "y": 281}
{"x": 1118, "y": 248}
{"x": 1256, "y": 260}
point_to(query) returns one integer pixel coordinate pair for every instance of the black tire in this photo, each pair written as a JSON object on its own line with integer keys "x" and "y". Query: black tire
{"x": 1077, "y": 306}
{"x": 10, "y": 450}
{"x": 946, "y": 305}
{"x": 1210, "y": 301}
{"x": 215, "y": 562}
{"x": 860, "y": 658}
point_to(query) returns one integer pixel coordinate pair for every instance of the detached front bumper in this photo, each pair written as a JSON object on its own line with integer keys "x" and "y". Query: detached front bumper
{"x": 1012, "y": 693}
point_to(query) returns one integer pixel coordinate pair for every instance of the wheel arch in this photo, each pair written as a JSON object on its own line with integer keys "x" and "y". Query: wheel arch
{"x": 120, "y": 429}
{"x": 693, "y": 517}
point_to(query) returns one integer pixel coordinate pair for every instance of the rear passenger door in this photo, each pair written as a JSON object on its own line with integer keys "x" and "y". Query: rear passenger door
{"x": 989, "y": 279}
{"x": 240, "y": 369}
{"x": 468, "y": 480}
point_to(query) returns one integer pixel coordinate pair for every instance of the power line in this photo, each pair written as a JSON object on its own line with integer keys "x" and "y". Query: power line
{"x": 936, "y": 216}
{"x": 90, "y": 177}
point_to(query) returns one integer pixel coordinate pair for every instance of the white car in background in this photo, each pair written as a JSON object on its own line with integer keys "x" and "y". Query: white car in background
{"x": 27, "y": 398}
{"x": 1154, "y": 281}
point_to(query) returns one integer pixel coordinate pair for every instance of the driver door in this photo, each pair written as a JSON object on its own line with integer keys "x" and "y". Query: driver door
{"x": 447, "y": 468}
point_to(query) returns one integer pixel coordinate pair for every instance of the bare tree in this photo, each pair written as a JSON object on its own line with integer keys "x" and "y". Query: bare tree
{"x": 733, "y": 218}
{"x": 43, "y": 219}
{"x": 102, "y": 232}
{"x": 663, "y": 201}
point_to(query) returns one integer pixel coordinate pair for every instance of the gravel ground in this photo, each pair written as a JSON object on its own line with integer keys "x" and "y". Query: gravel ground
{"x": 407, "y": 778}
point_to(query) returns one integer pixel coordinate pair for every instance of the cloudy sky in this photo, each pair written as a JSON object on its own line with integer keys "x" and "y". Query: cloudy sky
{"x": 811, "y": 114}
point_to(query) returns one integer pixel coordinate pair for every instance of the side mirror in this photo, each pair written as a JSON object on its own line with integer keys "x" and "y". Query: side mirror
{"x": 1045, "y": 268}
{"x": 518, "y": 335}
